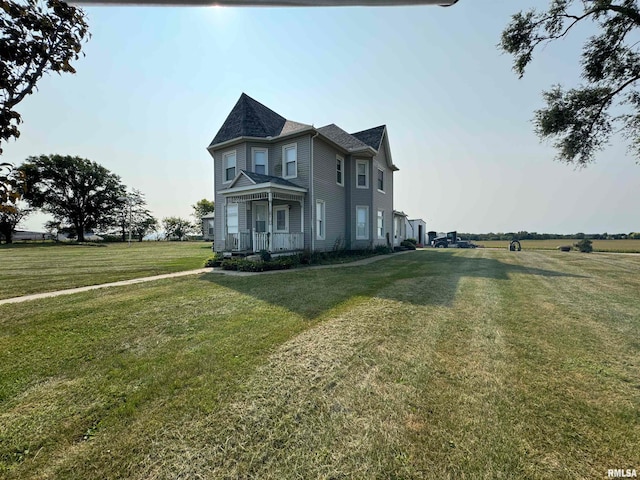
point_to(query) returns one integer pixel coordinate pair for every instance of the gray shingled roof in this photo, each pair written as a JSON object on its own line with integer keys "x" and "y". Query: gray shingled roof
{"x": 372, "y": 136}
{"x": 249, "y": 118}
{"x": 342, "y": 138}
{"x": 259, "y": 178}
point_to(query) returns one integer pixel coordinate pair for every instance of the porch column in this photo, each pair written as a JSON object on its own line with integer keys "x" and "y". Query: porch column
{"x": 302, "y": 216}
{"x": 225, "y": 234}
{"x": 270, "y": 222}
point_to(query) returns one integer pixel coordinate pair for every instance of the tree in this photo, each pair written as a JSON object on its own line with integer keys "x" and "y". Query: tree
{"x": 11, "y": 187}
{"x": 36, "y": 37}
{"x": 76, "y": 191}
{"x": 9, "y": 220}
{"x": 176, "y": 227}
{"x": 136, "y": 216}
{"x": 201, "y": 208}
{"x": 581, "y": 120}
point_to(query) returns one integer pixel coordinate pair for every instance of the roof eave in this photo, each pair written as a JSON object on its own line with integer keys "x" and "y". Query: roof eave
{"x": 233, "y": 141}
{"x": 262, "y": 186}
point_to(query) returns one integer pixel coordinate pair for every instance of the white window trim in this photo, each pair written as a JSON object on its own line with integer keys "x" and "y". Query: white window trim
{"x": 284, "y": 160}
{"x": 266, "y": 159}
{"x": 321, "y": 235}
{"x": 224, "y": 165}
{"x": 380, "y": 236}
{"x": 367, "y": 226}
{"x": 341, "y": 160}
{"x": 276, "y": 209}
{"x": 366, "y": 173}
{"x": 383, "y": 180}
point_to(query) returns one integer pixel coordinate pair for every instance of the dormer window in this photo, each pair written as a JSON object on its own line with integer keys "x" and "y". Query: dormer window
{"x": 260, "y": 160}
{"x": 229, "y": 166}
{"x": 290, "y": 160}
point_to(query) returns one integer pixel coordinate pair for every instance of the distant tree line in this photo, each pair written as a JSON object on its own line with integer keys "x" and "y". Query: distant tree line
{"x": 524, "y": 235}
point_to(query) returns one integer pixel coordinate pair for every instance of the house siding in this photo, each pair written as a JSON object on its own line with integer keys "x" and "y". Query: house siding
{"x": 333, "y": 195}
{"x": 243, "y": 182}
{"x": 360, "y": 197}
{"x": 382, "y": 201}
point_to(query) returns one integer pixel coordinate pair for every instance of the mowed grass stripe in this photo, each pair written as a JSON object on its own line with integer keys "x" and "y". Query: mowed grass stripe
{"x": 37, "y": 268}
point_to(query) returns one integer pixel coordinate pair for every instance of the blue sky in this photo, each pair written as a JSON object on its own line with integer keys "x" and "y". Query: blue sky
{"x": 158, "y": 82}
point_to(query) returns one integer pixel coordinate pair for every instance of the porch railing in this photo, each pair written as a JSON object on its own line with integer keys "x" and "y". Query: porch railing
{"x": 238, "y": 241}
{"x": 287, "y": 241}
{"x": 280, "y": 242}
{"x": 260, "y": 241}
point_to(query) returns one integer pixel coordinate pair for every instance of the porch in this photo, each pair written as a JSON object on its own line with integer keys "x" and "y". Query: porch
{"x": 264, "y": 217}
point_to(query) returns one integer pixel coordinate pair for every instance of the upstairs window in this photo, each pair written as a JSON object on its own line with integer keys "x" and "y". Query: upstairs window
{"x": 260, "y": 158}
{"x": 340, "y": 171}
{"x": 229, "y": 166}
{"x": 362, "y": 174}
{"x": 290, "y": 160}
{"x": 381, "y": 180}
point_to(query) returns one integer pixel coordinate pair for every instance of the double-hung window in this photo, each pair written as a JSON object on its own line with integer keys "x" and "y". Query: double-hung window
{"x": 340, "y": 170}
{"x": 232, "y": 218}
{"x": 362, "y": 174}
{"x": 229, "y": 165}
{"x": 381, "y": 180}
{"x": 290, "y": 160}
{"x": 362, "y": 223}
{"x": 260, "y": 160}
{"x": 380, "y": 223}
{"x": 320, "y": 220}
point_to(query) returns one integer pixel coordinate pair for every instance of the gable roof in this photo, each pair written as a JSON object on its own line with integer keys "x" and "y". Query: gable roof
{"x": 249, "y": 118}
{"x": 257, "y": 178}
{"x": 372, "y": 136}
{"x": 342, "y": 138}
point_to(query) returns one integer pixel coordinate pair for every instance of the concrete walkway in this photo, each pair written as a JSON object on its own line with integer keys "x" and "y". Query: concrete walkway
{"x": 133, "y": 281}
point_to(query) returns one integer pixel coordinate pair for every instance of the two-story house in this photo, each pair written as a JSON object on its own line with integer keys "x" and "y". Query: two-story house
{"x": 287, "y": 186}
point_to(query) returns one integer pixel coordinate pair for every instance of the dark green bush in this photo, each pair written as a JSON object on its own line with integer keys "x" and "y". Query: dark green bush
{"x": 214, "y": 260}
{"x": 411, "y": 240}
{"x": 382, "y": 250}
{"x": 585, "y": 245}
{"x": 408, "y": 244}
{"x": 264, "y": 255}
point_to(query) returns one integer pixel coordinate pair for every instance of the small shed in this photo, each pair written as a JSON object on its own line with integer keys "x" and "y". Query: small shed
{"x": 207, "y": 226}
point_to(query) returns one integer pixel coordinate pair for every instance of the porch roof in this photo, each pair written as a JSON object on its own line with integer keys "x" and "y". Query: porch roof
{"x": 270, "y": 186}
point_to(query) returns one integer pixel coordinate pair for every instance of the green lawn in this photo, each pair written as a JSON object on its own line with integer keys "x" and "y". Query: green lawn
{"x": 429, "y": 365}
{"x": 34, "y": 268}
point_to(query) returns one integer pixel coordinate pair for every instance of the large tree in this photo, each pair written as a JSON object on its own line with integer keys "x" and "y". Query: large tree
{"x": 76, "y": 191}
{"x": 581, "y": 120}
{"x": 36, "y": 37}
{"x": 135, "y": 216}
{"x": 176, "y": 227}
{"x": 201, "y": 208}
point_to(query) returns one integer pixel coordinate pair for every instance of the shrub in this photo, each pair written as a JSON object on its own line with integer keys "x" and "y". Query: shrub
{"x": 585, "y": 245}
{"x": 411, "y": 240}
{"x": 264, "y": 255}
{"x": 382, "y": 249}
{"x": 214, "y": 260}
{"x": 408, "y": 244}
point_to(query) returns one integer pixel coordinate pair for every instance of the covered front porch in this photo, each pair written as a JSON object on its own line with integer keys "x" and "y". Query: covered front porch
{"x": 264, "y": 217}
